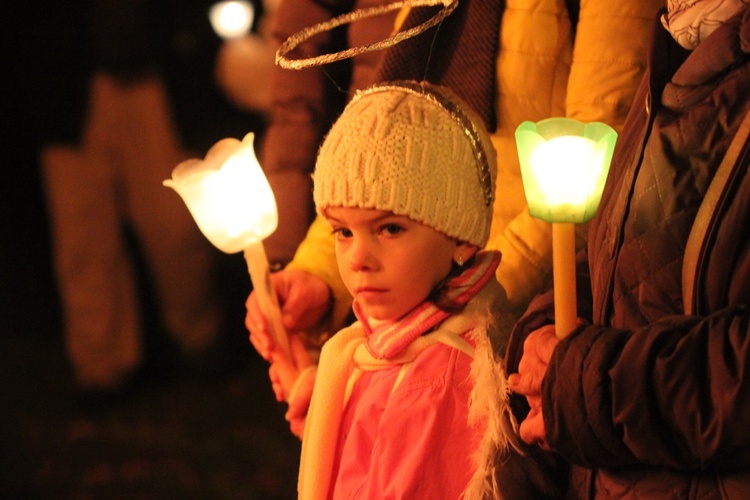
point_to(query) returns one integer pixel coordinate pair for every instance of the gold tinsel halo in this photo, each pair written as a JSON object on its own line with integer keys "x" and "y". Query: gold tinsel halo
{"x": 293, "y": 41}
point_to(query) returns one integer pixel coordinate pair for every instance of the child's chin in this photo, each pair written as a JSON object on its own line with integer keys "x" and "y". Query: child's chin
{"x": 384, "y": 315}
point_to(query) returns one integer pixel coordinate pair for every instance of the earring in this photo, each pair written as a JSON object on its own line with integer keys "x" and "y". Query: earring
{"x": 460, "y": 261}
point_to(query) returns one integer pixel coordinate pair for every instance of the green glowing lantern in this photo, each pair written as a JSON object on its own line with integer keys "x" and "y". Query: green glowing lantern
{"x": 564, "y": 165}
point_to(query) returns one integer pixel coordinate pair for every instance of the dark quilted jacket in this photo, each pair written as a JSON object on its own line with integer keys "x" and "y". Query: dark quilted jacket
{"x": 648, "y": 402}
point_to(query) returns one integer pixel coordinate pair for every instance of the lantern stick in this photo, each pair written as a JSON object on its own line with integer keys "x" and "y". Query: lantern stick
{"x": 233, "y": 205}
{"x": 564, "y": 277}
{"x": 257, "y": 265}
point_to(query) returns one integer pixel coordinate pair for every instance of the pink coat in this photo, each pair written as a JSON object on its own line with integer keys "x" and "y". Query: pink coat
{"x": 416, "y": 422}
{"x": 410, "y": 442}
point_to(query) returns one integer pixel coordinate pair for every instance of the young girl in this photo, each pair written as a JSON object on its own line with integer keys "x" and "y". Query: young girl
{"x": 405, "y": 178}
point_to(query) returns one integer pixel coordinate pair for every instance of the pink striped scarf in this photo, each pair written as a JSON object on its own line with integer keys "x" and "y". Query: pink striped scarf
{"x": 387, "y": 340}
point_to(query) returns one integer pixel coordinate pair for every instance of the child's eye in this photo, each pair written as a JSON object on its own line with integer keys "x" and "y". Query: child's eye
{"x": 342, "y": 232}
{"x": 392, "y": 229}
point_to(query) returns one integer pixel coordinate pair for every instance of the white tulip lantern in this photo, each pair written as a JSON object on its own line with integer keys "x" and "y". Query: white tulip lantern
{"x": 231, "y": 201}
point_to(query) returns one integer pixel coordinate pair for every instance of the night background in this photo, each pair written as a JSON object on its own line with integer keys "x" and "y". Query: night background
{"x": 175, "y": 434}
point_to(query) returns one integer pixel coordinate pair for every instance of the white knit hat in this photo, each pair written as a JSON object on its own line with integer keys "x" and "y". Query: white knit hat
{"x": 413, "y": 149}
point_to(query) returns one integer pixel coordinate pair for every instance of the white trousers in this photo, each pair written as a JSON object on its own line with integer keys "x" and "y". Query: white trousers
{"x": 115, "y": 179}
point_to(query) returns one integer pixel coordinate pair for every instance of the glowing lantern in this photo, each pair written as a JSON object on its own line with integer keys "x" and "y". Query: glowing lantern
{"x": 231, "y": 201}
{"x": 564, "y": 164}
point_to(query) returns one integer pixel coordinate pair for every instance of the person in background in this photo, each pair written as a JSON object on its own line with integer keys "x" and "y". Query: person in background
{"x": 596, "y": 52}
{"x": 244, "y": 64}
{"x": 648, "y": 396}
{"x": 594, "y": 81}
{"x": 116, "y": 232}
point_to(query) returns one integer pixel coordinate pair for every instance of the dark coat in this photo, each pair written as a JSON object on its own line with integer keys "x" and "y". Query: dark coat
{"x": 647, "y": 401}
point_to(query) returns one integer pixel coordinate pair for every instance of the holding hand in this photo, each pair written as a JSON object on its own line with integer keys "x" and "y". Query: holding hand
{"x": 293, "y": 382}
{"x": 305, "y": 300}
{"x": 537, "y": 351}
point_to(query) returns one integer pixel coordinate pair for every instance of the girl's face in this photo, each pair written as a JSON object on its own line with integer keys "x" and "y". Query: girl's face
{"x": 390, "y": 263}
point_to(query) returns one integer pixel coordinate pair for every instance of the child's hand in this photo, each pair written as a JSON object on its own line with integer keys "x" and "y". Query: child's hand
{"x": 284, "y": 372}
{"x": 299, "y": 401}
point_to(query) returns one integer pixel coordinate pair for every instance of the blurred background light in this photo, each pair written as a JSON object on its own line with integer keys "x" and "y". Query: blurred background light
{"x": 232, "y": 19}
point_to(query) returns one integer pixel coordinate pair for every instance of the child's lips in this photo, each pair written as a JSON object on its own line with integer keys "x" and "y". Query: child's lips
{"x": 369, "y": 292}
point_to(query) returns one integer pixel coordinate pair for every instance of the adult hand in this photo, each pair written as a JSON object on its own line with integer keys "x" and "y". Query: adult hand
{"x": 537, "y": 351}
{"x": 305, "y": 299}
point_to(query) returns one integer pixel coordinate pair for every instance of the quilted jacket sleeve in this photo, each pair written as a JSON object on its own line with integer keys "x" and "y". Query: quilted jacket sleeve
{"x": 670, "y": 394}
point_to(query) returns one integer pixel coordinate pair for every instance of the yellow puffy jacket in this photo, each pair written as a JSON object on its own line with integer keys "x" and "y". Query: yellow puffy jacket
{"x": 544, "y": 69}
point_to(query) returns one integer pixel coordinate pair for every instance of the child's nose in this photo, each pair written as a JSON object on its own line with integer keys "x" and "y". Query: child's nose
{"x": 360, "y": 255}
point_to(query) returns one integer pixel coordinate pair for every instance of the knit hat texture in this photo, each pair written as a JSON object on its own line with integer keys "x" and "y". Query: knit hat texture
{"x": 413, "y": 149}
